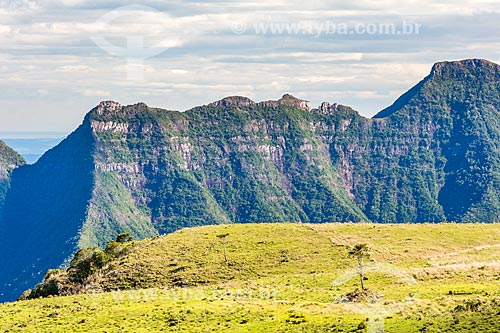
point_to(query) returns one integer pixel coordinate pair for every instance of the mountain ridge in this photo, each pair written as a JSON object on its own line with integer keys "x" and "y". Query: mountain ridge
{"x": 456, "y": 69}
{"x": 149, "y": 171}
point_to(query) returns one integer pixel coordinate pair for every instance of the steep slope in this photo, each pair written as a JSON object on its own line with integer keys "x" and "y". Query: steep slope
{"x": 457, "y": 108}
{"x": 43, "y": 210}
{"x": 45, "y": 216}
{"x": 9, "y": 160}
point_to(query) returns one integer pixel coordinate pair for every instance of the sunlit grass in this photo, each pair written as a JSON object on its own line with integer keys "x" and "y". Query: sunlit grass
{"x": 286, "y": 278}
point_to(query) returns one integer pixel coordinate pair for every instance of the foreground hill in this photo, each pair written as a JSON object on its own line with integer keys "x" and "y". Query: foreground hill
{"x": 285, "y": 278}
{"x": 432, "y": 156}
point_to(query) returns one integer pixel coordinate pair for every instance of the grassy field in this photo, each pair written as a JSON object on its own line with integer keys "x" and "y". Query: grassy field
{"x": 286, "y": 278}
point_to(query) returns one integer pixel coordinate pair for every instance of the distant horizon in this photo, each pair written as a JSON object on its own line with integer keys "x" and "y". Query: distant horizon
{"x": 23, "y": 134}
{"x": 32, "y": 145}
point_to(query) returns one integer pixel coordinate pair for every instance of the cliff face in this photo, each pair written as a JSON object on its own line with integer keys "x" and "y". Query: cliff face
{"x": 432, "y": 156}
{"x": 234, "y": 160}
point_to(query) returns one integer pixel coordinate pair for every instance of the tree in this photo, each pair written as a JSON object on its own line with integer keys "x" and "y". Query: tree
{"x": 360, "y": 252}
{"x": 222, "y": 237}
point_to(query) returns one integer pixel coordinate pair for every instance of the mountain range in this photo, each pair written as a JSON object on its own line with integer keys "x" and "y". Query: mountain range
{"x": 433, "y": 156}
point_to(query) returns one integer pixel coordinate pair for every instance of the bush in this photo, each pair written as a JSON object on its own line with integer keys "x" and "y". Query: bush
{"x": 86, "y": 262}
{"x": 114, "y": 248}
{"x": 54, "y": 283}
{"x": 123, "y": 238}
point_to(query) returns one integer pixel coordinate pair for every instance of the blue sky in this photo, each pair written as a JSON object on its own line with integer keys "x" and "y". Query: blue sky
{"x": 59, "y": 58}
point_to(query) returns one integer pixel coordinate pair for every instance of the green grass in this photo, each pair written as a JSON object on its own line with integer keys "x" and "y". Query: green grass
{"x": 285, "y": 278}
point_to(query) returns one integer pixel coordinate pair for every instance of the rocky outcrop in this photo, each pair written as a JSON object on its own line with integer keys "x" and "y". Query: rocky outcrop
{"x": 108, "y": 107}
{"x": 110, "y": 126}
{"x": 237, "y": 101}
{"x": 244, "y": 102}
{"x": 288, "y": 100}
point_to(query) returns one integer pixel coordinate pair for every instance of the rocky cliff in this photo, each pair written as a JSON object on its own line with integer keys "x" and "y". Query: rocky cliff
{"x": 432, "y": 156}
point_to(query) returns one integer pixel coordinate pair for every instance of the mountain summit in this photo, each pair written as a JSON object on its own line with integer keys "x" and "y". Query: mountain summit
{"x": 432, "y": 156}
{"x": 449, "y": 82}
{"x": 244, "y": 102}
{"x": 470, "y": 68}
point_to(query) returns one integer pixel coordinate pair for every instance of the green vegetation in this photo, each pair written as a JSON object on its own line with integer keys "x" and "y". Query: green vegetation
{"x": 222, "y": 237}
{"x": 285, "y": 278}
{"x": 445, "y": 130}
{"x": 86, "y": 263}
{"x": 9, "y": 159}
{"x": 431, "y": 157}
{"x": 360, "y": 252}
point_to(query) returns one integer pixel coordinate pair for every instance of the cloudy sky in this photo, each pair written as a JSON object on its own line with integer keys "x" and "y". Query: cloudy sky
{"x": 59, "y": 58}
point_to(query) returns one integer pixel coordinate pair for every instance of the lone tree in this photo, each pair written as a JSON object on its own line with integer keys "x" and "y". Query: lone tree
{"x": 222, "y": 237}
{"x": 360, "y": 252}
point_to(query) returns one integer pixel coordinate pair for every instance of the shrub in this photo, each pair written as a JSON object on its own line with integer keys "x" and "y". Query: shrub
{"x": 123, "y": 238}
{"x": 86, "y": 262}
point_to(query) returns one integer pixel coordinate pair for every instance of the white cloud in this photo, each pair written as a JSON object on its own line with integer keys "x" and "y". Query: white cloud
{"x": 95, "y": 93}
{"x": 4, "y": 29}
{"x": 324, "y": 79}
{"x": 179, "y": 71}
{"x": 75, "y": 68}
{"x": 48, "y": 53}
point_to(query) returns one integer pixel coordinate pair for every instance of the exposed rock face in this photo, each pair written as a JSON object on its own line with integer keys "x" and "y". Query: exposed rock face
{"x": 432, "y": 156}
{"x": 108, "y": 107}
{"x": 109, "y": 126}
{"x": 288, "y": 100}
{"x": 328, "y": 109}
{"x": 9, "y": 159}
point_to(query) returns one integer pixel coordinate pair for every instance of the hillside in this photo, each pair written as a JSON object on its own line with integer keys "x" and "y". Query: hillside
{"x": 455, "y": 112}
{"x": 285, "y": 278}
{"x": 9, "y": 160}
{"x": 431, "y": 157}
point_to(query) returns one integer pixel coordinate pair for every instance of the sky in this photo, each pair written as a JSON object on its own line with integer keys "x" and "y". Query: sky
{"x": 60, "y": 58}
